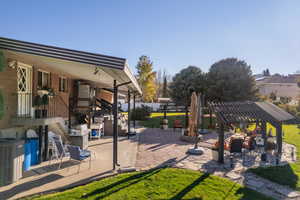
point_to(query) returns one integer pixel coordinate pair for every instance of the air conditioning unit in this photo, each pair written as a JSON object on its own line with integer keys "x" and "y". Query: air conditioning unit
{"x": 12, "y": 158}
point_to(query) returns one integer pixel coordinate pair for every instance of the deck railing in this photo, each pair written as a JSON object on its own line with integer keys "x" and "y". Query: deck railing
{"x": 30, "y": 106}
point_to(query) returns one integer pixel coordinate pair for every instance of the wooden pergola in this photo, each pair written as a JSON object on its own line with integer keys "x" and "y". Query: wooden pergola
{"x": 250, "y": 112}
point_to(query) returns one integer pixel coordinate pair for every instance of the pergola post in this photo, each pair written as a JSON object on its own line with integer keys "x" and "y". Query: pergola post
{"x": 129, "y": 115}
{"x": 264, "y": 133}
{"x": 115, "y": 127}
{"x": 221, "y": 143}
{"x": 210, "y": 119}
{"x": 279, "y": 138}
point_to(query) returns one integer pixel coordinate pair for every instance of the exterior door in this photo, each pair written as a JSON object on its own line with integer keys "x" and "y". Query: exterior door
{"x": 24, "y": 81}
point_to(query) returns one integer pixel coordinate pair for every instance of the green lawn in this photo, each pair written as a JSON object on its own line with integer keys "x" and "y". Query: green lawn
{"x": 289, "y": 174}
{"x": 154, "y": 121}
{"x": 163, "y": 183}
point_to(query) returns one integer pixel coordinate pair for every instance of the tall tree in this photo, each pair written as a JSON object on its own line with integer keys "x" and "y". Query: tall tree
{"x": 231, "y": 79}
{"x": 146, "y": 78}
{"x": 184, "y": 83}
{"x": 165, "y": 92}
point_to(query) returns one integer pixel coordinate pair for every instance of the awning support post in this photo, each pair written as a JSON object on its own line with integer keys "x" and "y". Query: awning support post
{"x": 129, "y": 115}
{"x": 115, "y": 123}
{"x": 134, "y": 111}
{"x": 115, "y": 127}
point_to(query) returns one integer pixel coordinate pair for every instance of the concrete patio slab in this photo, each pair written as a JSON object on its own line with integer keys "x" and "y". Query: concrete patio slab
{"x": 45, "y": 178}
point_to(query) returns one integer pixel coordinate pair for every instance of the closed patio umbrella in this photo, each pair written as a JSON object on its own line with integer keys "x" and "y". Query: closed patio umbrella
{"x": 193, "y": 115}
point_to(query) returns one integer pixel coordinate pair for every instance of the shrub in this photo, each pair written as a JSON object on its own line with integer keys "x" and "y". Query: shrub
{"x": 141, "y": 113}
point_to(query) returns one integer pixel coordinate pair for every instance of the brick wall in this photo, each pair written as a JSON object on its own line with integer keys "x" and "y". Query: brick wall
{"x": 8, "y": 85}
{"x": 60, "y": 107}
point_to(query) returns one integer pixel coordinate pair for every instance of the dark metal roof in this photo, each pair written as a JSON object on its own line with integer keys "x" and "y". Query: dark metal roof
{"x": 251, "y": 112}
{"x": 276, "y": 112}
{"x": 62, "y": 53}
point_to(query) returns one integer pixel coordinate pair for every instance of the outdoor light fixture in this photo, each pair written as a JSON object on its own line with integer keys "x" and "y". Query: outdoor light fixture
{"x": 97, "y": 70}
{"x": 12, "y": 63}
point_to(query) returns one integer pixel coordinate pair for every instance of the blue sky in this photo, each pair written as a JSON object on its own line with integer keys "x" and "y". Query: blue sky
{"x": 175, "y": 34}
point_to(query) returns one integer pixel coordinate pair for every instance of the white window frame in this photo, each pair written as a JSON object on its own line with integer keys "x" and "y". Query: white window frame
{"x": 43, "y": 79}
{"x": 63, "y": 85}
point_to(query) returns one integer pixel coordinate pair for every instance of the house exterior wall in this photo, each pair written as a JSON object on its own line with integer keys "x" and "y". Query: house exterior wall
{"x": 8, "y": 85}
{"x": 280, "y": 89}
{"x": 62, "y": 98}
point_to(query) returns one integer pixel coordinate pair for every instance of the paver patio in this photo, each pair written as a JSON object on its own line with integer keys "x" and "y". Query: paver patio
{"x": 44, "y": 177}
{"x": 163, "y": 147}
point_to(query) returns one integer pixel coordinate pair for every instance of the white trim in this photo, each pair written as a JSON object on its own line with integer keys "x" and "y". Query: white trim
{"x": 24, "y": 65}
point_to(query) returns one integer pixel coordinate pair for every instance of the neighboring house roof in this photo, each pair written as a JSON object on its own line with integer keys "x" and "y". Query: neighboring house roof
{"x": 293, "y": 78}
{"x": 114, "y": 66}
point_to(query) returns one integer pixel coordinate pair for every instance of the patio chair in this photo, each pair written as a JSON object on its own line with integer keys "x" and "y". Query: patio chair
{"x": 236, "y": 145}
{"x": 177, "y": 124}
{"x": 79, "y": 155}
{"x": 61, "y": 152}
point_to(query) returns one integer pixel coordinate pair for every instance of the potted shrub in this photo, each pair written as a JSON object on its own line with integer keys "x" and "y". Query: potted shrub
{"x": 45, "y": 101}
{"x": 37, "y": 102}
{"x": 45, "y": 91}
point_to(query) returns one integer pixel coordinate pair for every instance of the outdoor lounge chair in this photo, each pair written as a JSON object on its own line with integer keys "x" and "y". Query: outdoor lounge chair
{"x": 61, "y": 152}
{"x": 177, "y": 124}
{"x": 79, "y": 155}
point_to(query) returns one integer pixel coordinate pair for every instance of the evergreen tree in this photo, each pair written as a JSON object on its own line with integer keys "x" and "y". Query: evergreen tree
{"x": 165, "y": 87}
{"x": 146, "y": 78}
{"x": 231, "y": 79}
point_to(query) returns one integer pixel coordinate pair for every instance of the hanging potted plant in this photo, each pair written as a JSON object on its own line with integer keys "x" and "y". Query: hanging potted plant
{"x": 45, "y": 102}
{"x": 37, "y": 102}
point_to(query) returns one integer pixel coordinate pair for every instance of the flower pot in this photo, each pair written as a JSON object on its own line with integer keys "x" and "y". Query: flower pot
{"x": 44, "y": 113}
{"x": 215, "y": 154}
{"x": 37, "y": 113}
{"x": 42, "y": 92}
{"x": 165, "y": 126}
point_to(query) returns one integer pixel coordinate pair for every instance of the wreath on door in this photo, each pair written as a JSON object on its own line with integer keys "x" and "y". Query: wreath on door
{"x": 1, "y": 104}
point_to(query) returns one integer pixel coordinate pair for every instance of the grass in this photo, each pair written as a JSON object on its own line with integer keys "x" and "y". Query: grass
{"x": 289, "y": 174}
{"x": 156, "y": 119}
{"x": 163, "y": 183}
